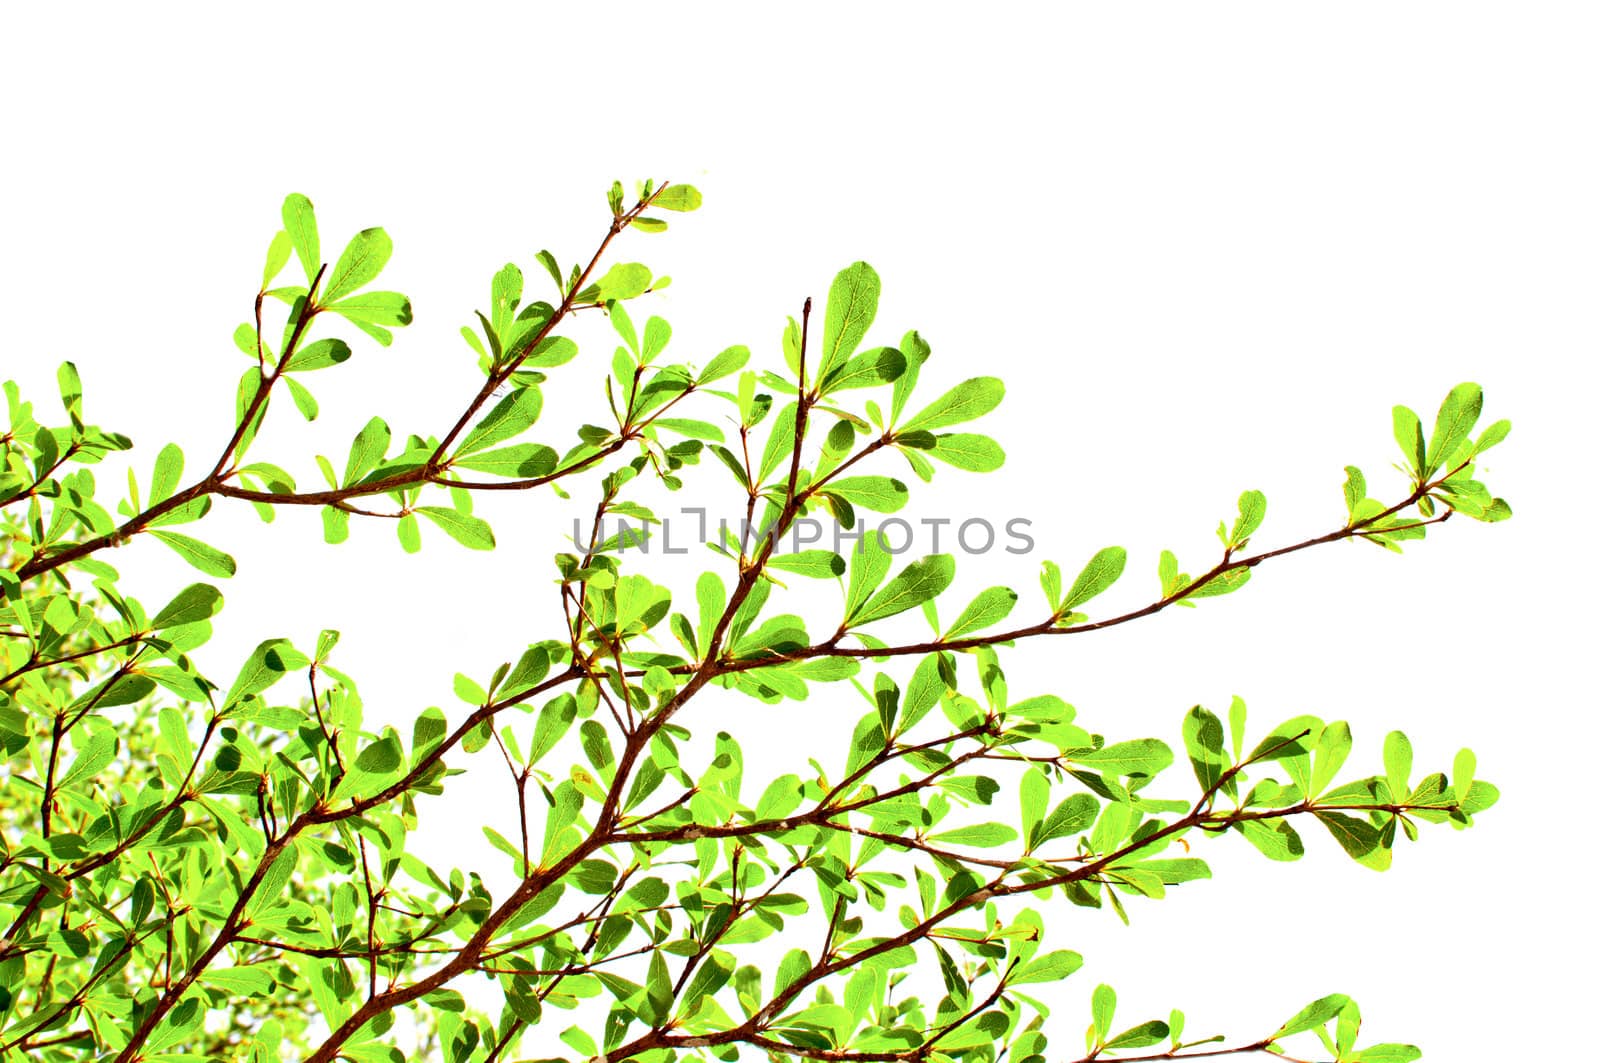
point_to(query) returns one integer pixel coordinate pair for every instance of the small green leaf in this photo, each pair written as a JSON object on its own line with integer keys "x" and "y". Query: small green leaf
{"x": 978, "y": 835}
{"x": 677, "y": 197}
{"x": 1332, "y": 748}
{"x": 918, "y": 582}
{"x": 1104, "y": 1007}
{"x": 852, "y": 305}
{"x": 880, "y": 494}
{"x": 366, "y": 450}
{"x": 1252, "y": 510}
{"x": 1202, "y": 738}
{"x": 966, "y": 401}
{"x": 987, "y": 609}
{"x": 304, "y": 401}
{"x": 318, "y": 355}
{"x": 624, "y": 280}
{"x": 168, "y": 471}
{"x": 1457, "y": 415}
{"x": 1102, "y": 571}
{"x": 969, "y": 451}
{"x": 300, "y": 222}
{"x": 1051, "y": 967}
{"x": 1313, "y": 1014}
{"x": 196, "y": 602}
{"x": 1408, "y": 433}
{"x": 275, "y": 880}
{"x": 728, "y": 362}
{"x": 409, "y": 534}
{"x": 1141, "y": 1036}
{"x": 520, "y": 460}
{"x": 881, "y": 365}
{"x": 1140, "y": 756}
{"x": 363, "y": 259}
{"x": 278, "y": 252}
{"x": 467, "y": 530}
{"x": 93, "y": 756}
{"x": 1397, "y": 764}
{"x": 511, "y": 416}
{"x": 817, "y": 564}
{"x": 207, "y": 559}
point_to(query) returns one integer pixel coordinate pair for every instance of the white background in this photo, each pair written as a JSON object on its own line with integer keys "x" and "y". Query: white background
{"x": 1207, "y": 247}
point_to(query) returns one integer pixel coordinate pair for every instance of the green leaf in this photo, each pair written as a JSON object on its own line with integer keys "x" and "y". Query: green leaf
{"x": 168, "y": 471}
{"x": 363, "y": 259}
{"x": 1358, "y": 838}
{"x": 817, "y": 564}
{"x": 1033, "y": 793}
{"x": 93, "y": 756}
{"x": 267, "y": 664}
{"x": 677, "y": 197}
{"x": 275, "y": 880}
{"x": 1223, "y": 583}
{"x": 1140, "y": 756}
{"x": 780, "y": 443}
{"x": 918, "y": 582}
{"x": 278, "y": 252}
{"x": 987, "y": 609}
{"x": 1141, "y": 1036}
{"x": 550, "y": 352}
{"x": 375, "y": 308}
{"x": 1104, "y": 1007}
{"x": 196, "y": 602}
{"x": 555, "y": 719}
{"x": 967, "y": 450}
{"x": 520, "y": 460}
{"x": 300, "y": 222}
{"x": 1051, "y": 967}
{"x": 1457, "y": 415}
{"x": 383, "y": 757}
{"x": 1355, "y": 488}
{"x": 1332, "y": 748}
{"x": 1492, "y": 435}
{"x": 207, "y": 559}
{"x": 304, "y": 401}
{"x": 1462, "y": 771}
{"x": 852, "y": 304}
{"x": 624, "y": 280}
{"x": 1313, "y": 1014}
{"x": 1252, "y": 510}
{"x": 467, "y": 530}
{"x": 335, "y": 524}
{"x": 684, "y": 426}
{"x": 1275, "y": 839}
{"x": 1072, "y": 816}
{"x": 881, "y": 365}
{"x": 1397, "y": 764}
{"x": 1202, "y": 738}
{"x": 966, "y": 401}
{"x": 880, "y": 494}
{"x": 978, "y": 835}
{"x": 427, "y": 732}
{"x": 1102, "y": 571}
{"x": 511, "y": 416}
{"x": 318, "y": 355}
{"x": 1408, "y": 433}
{"x": 923, "y": 692}
{"x": 712, "y": 597}
{"x": 869, "y": 564}
{"x": 728, "y": 362}
{"x": 781, "y": 797}
{"x": 366, "y": 450}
